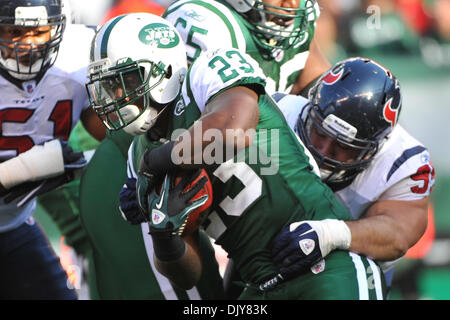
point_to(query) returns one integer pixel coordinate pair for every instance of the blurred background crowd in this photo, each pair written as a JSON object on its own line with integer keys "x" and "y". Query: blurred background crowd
{"x": 412, "y": 38}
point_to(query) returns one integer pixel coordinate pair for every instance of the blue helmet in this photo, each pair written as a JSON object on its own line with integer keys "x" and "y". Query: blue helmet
{"x": 357, "y": 103}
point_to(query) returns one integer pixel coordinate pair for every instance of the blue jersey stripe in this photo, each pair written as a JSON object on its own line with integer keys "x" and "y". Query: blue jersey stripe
{"x": 403, "y": 158}
{"x": 277, "y": 96}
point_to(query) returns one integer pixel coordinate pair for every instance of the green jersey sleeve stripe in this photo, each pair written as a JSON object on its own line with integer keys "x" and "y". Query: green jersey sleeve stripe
{"x": 360, "y": 276}
{"x": 256, "y": 83}
{"x": 377, "y": 280}
{"x": 131, "y": 172}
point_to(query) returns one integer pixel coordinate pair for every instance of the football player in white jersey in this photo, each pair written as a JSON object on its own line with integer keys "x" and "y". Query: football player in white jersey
{"x": 278, "y": 34}
{"x": 379, "y": 171}
{"x": 41, "y": 102}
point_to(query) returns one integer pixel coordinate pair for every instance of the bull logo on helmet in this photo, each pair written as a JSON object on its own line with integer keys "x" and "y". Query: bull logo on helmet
{"x": 389, "y": 114}
{"x": 160, "y": 34}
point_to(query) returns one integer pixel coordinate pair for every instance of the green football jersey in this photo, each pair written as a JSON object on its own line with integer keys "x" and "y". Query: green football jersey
{"x": 263, "y": 188}
{"x": 122, "y": 258}
{"x": 209, "y": 24}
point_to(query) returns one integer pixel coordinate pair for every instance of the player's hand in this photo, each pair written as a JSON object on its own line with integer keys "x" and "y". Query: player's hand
{"x": 171, "y": 208}
{"x": 128, "y": 203}
{"x": 72, "y": 160}
{"x": 301, "y": 245}
{"x": 133, "y": 197}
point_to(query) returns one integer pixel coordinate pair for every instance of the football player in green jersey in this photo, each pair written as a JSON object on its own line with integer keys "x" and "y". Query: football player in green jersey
{"x": 122, "y": 253}
{"x": 278, "y": 34}
{"x": 258, "y": 185}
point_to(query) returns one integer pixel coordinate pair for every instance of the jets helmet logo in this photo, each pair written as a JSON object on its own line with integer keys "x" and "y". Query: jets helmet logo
{"x": 160, "y": 34}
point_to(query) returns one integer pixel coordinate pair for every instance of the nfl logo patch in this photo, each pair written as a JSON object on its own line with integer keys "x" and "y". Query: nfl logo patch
{"x": 30, "y": 221}
{"x": 278, "y": 55}
{"x": 29, "y": 86}
{"x": 307, "y": 245}
{"x": 318, "y": 267}
{"x": 157, "y": 216}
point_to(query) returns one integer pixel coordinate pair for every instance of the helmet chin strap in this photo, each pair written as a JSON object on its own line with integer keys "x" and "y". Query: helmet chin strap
{"x": 143, "y": 122}
{"x": 330, "y": 176}
{"x": 324, "y": 174}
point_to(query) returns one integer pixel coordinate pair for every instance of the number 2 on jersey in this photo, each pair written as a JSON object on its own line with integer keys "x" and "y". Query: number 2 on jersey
{"x": 230, "y": 63}
{"x": 239, "y": 203}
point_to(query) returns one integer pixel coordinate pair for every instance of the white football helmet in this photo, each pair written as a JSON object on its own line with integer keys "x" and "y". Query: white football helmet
{"x": 138, "y": 63}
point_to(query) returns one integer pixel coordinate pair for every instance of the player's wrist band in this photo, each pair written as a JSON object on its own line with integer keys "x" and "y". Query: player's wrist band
{"x": 168, "y": 248}
{"x": 158, "y": 160}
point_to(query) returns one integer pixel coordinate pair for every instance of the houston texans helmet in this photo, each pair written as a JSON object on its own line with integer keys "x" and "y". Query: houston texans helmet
{"x": 357, "y": 103}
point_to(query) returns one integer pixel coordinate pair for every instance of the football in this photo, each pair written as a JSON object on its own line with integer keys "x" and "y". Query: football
{"x": 196, "y": 217}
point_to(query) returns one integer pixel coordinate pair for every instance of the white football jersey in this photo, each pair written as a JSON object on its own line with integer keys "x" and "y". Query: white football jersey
{"x": 40, "y": 112}
{"x": 401, "y": 170}
{"x": 205, "y": 25}
{"x": 209, "y": 25}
